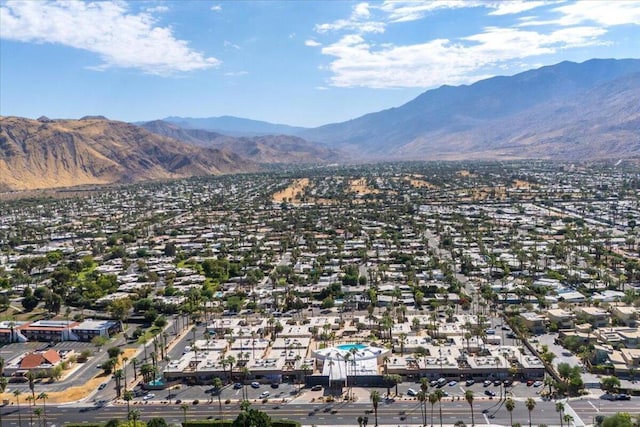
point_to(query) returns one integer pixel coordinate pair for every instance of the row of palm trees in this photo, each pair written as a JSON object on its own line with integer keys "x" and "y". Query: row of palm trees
{"x": 437, "y": 395}
{"x": 40, "y": 413}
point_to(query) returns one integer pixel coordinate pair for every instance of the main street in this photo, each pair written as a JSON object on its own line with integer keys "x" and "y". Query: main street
{"x": 399, "y": 412}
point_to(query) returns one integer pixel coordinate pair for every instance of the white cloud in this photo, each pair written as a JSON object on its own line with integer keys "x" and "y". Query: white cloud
{"x": 412, "y": 10}
{"x": 358, "y": 61}
{"x": 157, "y": 9}
{"x": 362, "y": 10}
{"x": 438, "y": 61}
{"x": 227, "y": 44}
{"x": 216, "y": 8}
{"x": 312, "y": 43}
{"x": 121, "y": 38}
{"x": 358, "y": 21}
{"x": 605, "y": 13}
{"x": 514, "y": 7}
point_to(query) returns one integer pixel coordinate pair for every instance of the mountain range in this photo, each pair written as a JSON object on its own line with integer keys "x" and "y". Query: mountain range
{"x": 567, "y": 111}
{"x": 259, "y": 149}
{"x": 48, "y": 153}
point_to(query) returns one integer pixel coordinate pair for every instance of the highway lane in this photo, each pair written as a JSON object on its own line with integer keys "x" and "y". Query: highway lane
{"x": 345, "y": 413}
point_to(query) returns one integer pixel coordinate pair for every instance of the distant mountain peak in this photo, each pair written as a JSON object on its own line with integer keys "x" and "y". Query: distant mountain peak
{"x": 470, "y": 121}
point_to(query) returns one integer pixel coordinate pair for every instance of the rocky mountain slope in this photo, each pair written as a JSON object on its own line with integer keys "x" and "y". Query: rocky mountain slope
{"x": 562, "y": 110}
{"x": 59, "y": 153}
{"x": 260, "y": 149}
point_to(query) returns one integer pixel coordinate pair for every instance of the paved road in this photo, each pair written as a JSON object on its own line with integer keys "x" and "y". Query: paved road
{"x": 346, "y": 413}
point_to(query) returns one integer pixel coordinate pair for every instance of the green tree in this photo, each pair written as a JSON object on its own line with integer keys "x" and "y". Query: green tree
{"x": 184, "y": 408}
{"x": 530, "y": 404}
{"x": 621, "y": 419}
{"x": 375, "y": 401}
{"x": 252, "y": 418}
{"x": 157, "y": 422}
{"x": 3, "y": 387}
{"x": 44, "y": 396}
{"x": 560, "y": 410}
{"x": 610, "y": 384}
{"x": 468, "y": 396}
{"x": 510, "y": 405}
{"x": 16, "y": 394}
{"x": 433, "y": 399}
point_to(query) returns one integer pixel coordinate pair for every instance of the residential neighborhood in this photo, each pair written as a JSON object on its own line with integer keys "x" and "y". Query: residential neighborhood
{"x": 522, "y": 275}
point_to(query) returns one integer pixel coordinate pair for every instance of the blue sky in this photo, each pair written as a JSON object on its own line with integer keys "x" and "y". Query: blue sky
{"x": 304, "y": 63}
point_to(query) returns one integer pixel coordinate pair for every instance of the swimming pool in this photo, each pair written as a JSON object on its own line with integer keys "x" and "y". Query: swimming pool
{"x": 348, "y": 347}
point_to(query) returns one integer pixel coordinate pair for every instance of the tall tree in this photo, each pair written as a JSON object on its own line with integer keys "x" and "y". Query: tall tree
{"x": 530, "y": 404}
{"x": 44, "y": 396}
{"x": 468, "y": 395}
{"x": 560, "y": 410}
{"x": 17, "y": 394}
{"x": 432, "y": 399}
{"x": 375, "y": 400}
{"x": 510, "y": 404}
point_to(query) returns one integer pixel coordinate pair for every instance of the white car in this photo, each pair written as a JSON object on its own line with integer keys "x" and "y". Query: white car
{"x": 148, "y": 396}
{"x": 412, "y": 392}
{"x": 264, "y": 394}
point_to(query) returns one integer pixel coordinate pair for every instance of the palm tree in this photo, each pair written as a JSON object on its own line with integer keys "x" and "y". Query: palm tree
{"x": 422, "y": 398}
{"x": 530, "y": 404}
{"x": 217, "y": 384}
{"x": 44, "y": 396}
{"x": 468, "y": 395}
{"x": 439, "y": 395}
{"x": 3, "y": 388}
{"x": 17, "y": 394}
{"x": 128, "y": 397}
{"x": 510, "y": 405}
{"x": 38, "y": 412}
{"x": 560, "y": 409}
{"x": 31, "y": 376}
{"x": 375, "y": 400}
{"x": 184, "y": 408}
{"x": 31, "y": 401}
{"x": 432, "y": 399}
{"x": 134, "y": 416}
{"x": 568, "y": 419}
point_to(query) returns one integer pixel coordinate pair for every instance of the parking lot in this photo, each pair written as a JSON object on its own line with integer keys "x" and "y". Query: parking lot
{"x": 206, "y": 393}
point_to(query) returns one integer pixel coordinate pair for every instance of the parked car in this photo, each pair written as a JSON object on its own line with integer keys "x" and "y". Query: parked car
{"x": 316, "y": 387}
{"x": 412, "y": 392}
{"x": 237, "y": 386}
{"x": 264, "y": 394}
{"x": 148, "y": 396}
{"x": 537, "y": 383}
{"x": 490, "y": 393}
{"x": 275, "y": 385}
{"x": 623, "y": 396}
{"x": 102, "y": 386}
{"x": 470, "y": 382}
{"x": 255, "y": 384}
{"x": 529, "y": 383}
{"x": 486, "y": 383}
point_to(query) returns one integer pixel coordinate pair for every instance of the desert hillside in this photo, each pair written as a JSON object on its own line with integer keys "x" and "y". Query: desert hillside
{"x": 47, "y": 153}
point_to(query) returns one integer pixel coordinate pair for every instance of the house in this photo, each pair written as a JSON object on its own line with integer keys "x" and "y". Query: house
{"x": 534, "y": 322}
{"x": 37, "y": 361}
{"x": 596, "y": 316}
{"x": 89, "y": 329}
{"x": 562, "y": 318}
{"x": 625, "y": 314}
